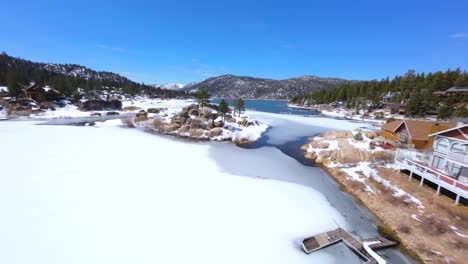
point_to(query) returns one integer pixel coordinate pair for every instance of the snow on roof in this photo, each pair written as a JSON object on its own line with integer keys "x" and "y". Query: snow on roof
{"x": 4, "y": 89}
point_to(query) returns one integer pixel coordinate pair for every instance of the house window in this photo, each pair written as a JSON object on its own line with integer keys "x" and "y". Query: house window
{"x": 452, "y": 169}
{"x": 438, "y": 163}
{"x": 457, "y": 147}
{"x": 442, "y": 145}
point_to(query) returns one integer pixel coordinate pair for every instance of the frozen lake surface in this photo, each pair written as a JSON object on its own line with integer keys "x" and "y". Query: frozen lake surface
{"x": 107, "y": 194}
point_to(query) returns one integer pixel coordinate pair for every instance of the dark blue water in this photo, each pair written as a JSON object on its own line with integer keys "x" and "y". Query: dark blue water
{"x": 269, "y": 106}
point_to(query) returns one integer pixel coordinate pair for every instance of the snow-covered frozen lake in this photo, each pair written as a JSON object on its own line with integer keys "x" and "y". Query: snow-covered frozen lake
{"x": 107, "y": 194}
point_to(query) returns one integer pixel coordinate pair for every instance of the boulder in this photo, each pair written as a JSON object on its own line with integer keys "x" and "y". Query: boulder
{"x": 210, "y": 124}
{"x": 142, "y": 113}
{"x": 310, "y": 155}
{"x": 305, "y": 147}
{"x": 323, "y": 154}
{"x": 206, "y": 112}
{"x": 112, "y": 113}
{"x": 320, "y": 144}
{"x": 184, "y": 129}
{"x": 153, "y": 110}
{"x": 219, "y": 123}
{"x": 193, "y": 112}
{"x": 245, "y": 122}
{"x": 197, "y": 124}
{"x": 172, "y": 127}
{"x": 370, "y": 134}
{"x": 100, "y": 105}
{"x": 337, "y": 134}
{"x": 96, "y": 114}
{"x": 326, "y": 162}
{"x": 216, "y": 132}
{"x": 196, "y": 132}
{"x": 190, "y": 107}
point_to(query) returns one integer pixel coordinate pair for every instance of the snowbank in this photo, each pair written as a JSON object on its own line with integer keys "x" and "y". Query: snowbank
{"x": 364, "y": 168}
{"x": 114, "y": 195}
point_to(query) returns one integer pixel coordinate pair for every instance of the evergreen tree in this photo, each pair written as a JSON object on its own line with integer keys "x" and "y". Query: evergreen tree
{"x": 223, "y": 108}
{"x": 461, "y": 111}
{"x": 203, "y": 97}
{"x": 239, "y": 106}
{"x": 14, "y": 88}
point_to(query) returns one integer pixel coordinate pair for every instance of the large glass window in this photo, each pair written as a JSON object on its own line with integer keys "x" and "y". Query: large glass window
{"x": 438, "y": 163}
{"x": 442, "y": 145}
{"x": 457, "y": 147}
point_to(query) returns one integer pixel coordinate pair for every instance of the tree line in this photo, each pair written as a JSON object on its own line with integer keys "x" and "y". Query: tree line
{"x": 17, "y": 73}
{"x": 416, "y": 90}
{"x": 203, "y": 99}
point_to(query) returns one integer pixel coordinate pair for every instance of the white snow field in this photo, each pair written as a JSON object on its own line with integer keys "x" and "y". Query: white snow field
{"x": 113, "y": 195}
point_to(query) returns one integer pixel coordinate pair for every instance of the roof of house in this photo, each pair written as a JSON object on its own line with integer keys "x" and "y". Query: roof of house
{"x": 457, "y": 89}
{"x": 459, "y": 128}
{"x": 417, "y": 129}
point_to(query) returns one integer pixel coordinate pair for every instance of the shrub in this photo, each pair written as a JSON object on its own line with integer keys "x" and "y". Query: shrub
{"x": 358, "y": 136}
{"x": 130, "y": 108}
{"x": 140, "y": 118}
{"x": 128, "y": 121}
{"x": 158, "y": 123}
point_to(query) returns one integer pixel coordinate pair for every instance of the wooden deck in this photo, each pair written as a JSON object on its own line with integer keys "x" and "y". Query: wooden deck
{"x": 326, "y": 239}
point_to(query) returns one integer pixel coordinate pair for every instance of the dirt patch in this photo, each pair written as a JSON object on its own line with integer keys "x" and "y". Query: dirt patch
{"x": 424, "y": 233}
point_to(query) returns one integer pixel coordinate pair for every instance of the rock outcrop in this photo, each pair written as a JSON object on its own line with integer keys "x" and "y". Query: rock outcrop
{"x": 318, "y": 149}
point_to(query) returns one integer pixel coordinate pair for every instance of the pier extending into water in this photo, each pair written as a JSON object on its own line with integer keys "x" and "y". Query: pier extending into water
{"x": 363, "y": 249}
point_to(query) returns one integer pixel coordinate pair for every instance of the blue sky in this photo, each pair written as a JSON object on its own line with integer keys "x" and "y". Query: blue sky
{"x": 184, "y": 41}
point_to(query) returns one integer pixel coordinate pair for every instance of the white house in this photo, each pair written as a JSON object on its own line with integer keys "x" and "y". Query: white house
{"x": 446, "y": 164}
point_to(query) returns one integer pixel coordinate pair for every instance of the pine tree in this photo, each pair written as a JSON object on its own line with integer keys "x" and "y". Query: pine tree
{"x": 223, "y": 108}
{"x": 14, "y": 87}
{"x": 239, "y": 106}
{"x": 203, "y": 97}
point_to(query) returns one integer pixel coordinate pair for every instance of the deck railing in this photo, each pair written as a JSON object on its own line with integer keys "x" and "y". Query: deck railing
{"x": 418, "y": 162}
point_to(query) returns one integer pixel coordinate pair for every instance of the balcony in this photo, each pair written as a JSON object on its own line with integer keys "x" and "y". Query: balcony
{"x": 418, "y": 163}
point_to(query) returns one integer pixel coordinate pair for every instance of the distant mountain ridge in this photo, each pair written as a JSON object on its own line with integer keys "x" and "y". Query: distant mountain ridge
{"x": 232, "y": 86}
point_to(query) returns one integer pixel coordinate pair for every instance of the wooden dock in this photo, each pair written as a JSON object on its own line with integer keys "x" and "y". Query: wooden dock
{"x": 326, "y": 239}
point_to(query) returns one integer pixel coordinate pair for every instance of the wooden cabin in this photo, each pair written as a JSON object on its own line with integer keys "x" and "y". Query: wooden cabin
{"x": 413, "y": 133}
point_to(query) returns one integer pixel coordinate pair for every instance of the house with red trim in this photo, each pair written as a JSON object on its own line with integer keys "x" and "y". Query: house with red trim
{"x": 413, "y": 133}
{"x": 445, "y": 165}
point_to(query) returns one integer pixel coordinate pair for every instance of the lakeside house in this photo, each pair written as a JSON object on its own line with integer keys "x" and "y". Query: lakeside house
{"x": 445, "y": 165}
{"x": 451, "y": 91}
{"x": 39, "y": 93}
{"x": 413, "y": 133}
{"x": 3, "y": 91}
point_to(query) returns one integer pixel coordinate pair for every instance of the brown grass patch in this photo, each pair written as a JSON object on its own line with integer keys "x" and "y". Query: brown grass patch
{"x": 459, "y": 243}
{"x": 405, "y": 229}
{"x": 356, "y": 185}
{"x": 131, "y": 108}
{"x": 433, "y": 225}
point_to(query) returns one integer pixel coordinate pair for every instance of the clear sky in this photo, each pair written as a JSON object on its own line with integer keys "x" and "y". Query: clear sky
{"x": 184, "y": 41}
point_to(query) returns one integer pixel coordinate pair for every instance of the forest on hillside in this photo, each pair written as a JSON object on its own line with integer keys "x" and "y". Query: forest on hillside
{"x": 416, "y": 90}
{"x": 16, "y": 73}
